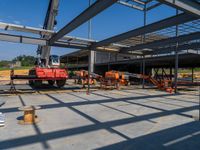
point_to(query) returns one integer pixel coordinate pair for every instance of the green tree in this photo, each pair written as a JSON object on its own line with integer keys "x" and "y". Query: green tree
{"x": 4, "y": 63}
{"x": 25, "y": 60}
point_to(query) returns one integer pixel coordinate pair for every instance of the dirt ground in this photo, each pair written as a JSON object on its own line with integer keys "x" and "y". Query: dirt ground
{"x": 5, "y": 75}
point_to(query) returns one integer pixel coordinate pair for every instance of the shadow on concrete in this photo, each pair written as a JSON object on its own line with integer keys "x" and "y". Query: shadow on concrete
{"x": 183, "y": 137}
{"x": 36, "y": 128}
{"x": 151, "y": 141}
{"x": 25, "y": 88}
{"x": 107, "y": 100}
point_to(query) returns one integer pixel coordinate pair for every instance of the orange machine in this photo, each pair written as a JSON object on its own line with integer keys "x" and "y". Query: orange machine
{"x": 51, "y": 73}
{"x": 82, "y": 78}
{"x": 37, "y": 75}
{"x": 121, "y": 77}
{"x": 115, "y": 78}
{"x": 164, "y": 84}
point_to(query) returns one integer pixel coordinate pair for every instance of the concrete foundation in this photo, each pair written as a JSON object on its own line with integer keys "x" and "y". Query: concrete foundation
{"x": 127, "y": 119}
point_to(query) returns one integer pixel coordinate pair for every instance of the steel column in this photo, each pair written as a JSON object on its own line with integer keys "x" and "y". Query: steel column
{"x": 143, "y": 71}
{"x": 192, "y": 74}
{"x": 77, "y": 63}
{"x": 91, "y": 53}
{"x": 176, "y": 71}
{"x": 170, "y": 73}
{"x": 109, "y": 57}
{"x": 89, "y": 72}
{"x": 144, "y": 39}
{"x": 176, "y": 61}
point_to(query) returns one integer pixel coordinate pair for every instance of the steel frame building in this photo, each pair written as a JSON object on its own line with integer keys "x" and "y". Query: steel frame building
{"x": 172, "y": 35}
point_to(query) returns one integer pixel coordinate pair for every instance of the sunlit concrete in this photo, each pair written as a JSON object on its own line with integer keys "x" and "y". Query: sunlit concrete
{"x": 126, "y": 119}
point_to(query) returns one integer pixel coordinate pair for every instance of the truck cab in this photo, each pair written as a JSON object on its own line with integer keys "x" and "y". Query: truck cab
{"x": 54, "y": 61}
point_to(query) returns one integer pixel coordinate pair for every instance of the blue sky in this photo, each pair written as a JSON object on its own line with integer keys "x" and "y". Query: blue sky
{"x": 112, "y": 21}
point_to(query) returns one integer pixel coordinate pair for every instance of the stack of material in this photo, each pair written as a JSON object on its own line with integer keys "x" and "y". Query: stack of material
{"x": 2, "y": 119}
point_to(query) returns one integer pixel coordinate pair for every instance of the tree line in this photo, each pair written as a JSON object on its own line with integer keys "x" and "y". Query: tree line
{"x": 25, "y": 60}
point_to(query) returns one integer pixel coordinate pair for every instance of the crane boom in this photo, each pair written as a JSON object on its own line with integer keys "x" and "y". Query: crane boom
{"x": 49, "y": 23}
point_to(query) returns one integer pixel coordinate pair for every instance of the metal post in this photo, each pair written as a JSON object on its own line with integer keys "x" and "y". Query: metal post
{"x": 108, "y": 61}
{"x": 176, "y": 60}
{"x": 89, "y": 71}
{"x": 77, "y": 63}
{"x": 192, "y": 74}
{"x": 67, "y": 62}
{"x": 91, "y": 53}
{"x": 143, "y": 71}
{"x": 152, "y": 72}
{"x": 144, "y": 38}
{"x": 199, "y": 103}
{"x": 170, "y": 73}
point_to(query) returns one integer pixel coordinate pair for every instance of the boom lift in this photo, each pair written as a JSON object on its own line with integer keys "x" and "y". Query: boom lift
{"x": 115, "y": 78}
{"x": 81, "y": 77}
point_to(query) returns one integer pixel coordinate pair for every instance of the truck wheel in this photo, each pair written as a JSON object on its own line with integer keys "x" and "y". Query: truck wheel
{"x": 38, "y": 83}
{"x": 51, "y": 82}
{"x": 60, "y": 83}
{"x": 31, "y": 82}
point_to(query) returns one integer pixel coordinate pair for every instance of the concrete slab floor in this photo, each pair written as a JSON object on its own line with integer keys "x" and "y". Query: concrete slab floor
{"x": 127, "y": 119}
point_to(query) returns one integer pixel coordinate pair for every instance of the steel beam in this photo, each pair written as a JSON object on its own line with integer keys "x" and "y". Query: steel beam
{"x": 39, "y": 31}
{"x": 90, "y": 12}
{"x": 139, "y": 2}
{"x": 185, "y": 5}
{"x": 44, "y": 42}
{"x": 37, "y": 41}
{"x": 131, "y": 5}
{"x": 20, "y": 28}
{"x": 159, "y": 43}
{"x": 22, "y": 39}
{"x": 172, "y": 21}
{"x": 153, "y": 6}
{"x": 70, "y": 45}
{"x": 173, "y": 48}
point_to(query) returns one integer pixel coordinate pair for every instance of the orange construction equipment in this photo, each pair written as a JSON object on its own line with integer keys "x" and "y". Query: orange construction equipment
{"x": 115, "y": 78}
{"x": 53, "y": 74}
{"x": 82, "y": 78}
{"x": 164, "y": 84}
